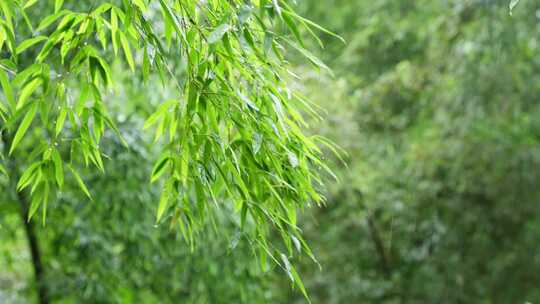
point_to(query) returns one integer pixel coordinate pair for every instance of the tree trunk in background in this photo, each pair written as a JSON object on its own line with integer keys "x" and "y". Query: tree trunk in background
{"x": 33, "y": 243}
{"x": 384, "y": 259}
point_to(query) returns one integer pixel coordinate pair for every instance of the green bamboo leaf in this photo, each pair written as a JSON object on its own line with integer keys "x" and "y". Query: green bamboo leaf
{"x": 169, "y": 17}
{"x": 27, "y": 21}
{"x": 163, "y": 204}
{"x": 3, "y": 37}
{"x": 152, "y": 120}
{"x": 7, "y": 89}
{"x": 160, "y": 167}
{"x": 50, "y": 20}
{"x": 7, "y": 9}
{"x": 512, "y": 5}
{"x": 316, "y": 61}
{"x": 114, "y": 31}
{"x": 27, "y": 91}
{"x": 84, "y": 26}
{"x": 160, "y": 128}
{"x": 102, "y": 67}
{"x": 256, "y": 143}
{"x": 37, "y": 198}
{"x": 8, "y": 65}
{"x": 95, "y": 156}
{"x": 3, "y": 110}
{"x": 315, "y": 25}
{"x": 23, "y": 76}
{"x": 293, "y": 27}
{"x": 79, "y": 181}
{"x": 103, "y": 8}
{"x": 27, "y": 176}
{"x": 23, "y": 127}
{"x": 184, "y": 164}
{"x": 127, "y": 51}
{"x": 9, "y": 37}
{"x": 140, "y": 4}
{"x": 110, "y": 124}
{"x": 70, "y": 20}
{"x": 60, "y": 120}
{"x": 29, "y": 42}
{"x": 218, "y": 33}
{"x": 58, "y": 5}
{"x": 146, "y": 65}
{"x": 102, "y": 34}
{"x": 44, "y": 203}
{"x": 286, "y": 266}
{"x": 299, "y": 283}
{"x": 160, "y": 112}
{"x": 29, "y": 3}
{"x": 277, "y": 8}
{"x": 58, "y": 170}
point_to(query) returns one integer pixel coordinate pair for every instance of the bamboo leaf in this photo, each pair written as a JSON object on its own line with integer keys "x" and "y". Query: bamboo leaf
{"x": 29, "y": 3}
{"x": 58, "y": 5}
{"x": 50, "y": 20}
{"x": 140, "y": 4}
{"x": 146, "y": 65}
{"x": 8, "y": 13}
{"x": 163, "y": 204}
{"x": 159, "y": 168}
{"x": 512, "y": 5}
{"x": 299, "y": 283}
{"x": 127, "y": 51}
{"x": 7, "y": 89}
{"x": 29, "y": 42}
{"x": 60, "y": 121}
{"x": 36, "y": 201}
{"x": 79, "y": 181}
{"x": 23, "y": 127}
{"x": 27, "y": 91}
{"x": 315, "y": 25}
{"x": 114, "y": 31}
{"x": 277, "y": 8}
{"x": 293, "y": 27}
{"x": 218, "y": 33}
{"x": 58, "y": 170}
{"x": 27, "y": 176}
{"x": 316, "y": 61}
{"x": 169, "y": 17}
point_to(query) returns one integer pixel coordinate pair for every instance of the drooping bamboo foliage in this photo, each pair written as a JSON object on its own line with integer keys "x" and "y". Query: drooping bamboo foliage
{"x": 230, "y": 136}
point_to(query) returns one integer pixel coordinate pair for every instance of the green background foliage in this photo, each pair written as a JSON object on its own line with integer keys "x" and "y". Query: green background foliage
{"x": 434, "y": 103}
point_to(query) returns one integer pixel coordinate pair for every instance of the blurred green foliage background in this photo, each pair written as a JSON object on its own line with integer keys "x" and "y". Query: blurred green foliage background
{"x": 435, "y": 104}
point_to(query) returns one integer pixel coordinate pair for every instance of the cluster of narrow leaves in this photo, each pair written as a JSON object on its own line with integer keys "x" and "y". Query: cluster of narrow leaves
{"x": 231, "y": 138}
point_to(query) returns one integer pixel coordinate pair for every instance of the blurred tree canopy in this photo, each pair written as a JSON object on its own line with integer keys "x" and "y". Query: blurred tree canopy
{"x": 227, "y": 140}
{"x": 434, "y": 103}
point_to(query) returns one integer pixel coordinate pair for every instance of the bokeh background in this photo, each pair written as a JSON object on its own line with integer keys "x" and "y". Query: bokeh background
{"x": 435, "y": 104}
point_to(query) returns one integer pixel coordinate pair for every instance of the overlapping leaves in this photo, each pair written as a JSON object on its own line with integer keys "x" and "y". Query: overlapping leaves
{"x": 231, "y": 135}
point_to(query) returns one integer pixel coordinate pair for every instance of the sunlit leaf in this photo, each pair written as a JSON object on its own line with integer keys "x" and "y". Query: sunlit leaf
{"x": 23, "y": 127}
{"x": 29, "y": 42}
{"x": 79, "y": 181}
{"x": 218, "y": 33}
{"x": 512, "y": 5}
